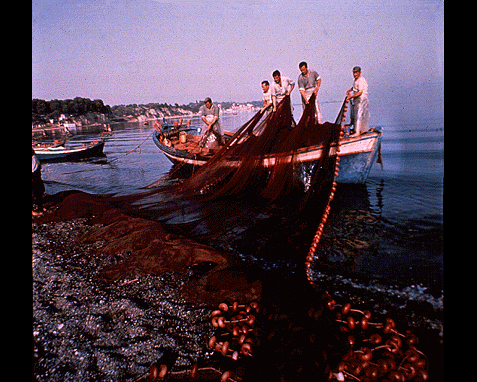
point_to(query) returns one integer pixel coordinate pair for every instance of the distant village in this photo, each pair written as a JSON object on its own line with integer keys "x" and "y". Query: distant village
{"x": 83, "y": 111}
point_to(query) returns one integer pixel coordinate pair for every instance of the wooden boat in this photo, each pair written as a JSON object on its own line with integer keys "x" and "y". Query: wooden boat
{"x": 60, "y": 153}
{"x": 357, "y": 153}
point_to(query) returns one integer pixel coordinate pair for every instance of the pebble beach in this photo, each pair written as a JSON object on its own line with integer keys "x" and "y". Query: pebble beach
{"x": 85, "y": 329}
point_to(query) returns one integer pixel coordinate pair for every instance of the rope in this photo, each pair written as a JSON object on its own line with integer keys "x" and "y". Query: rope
{"x": 316, "y": 239}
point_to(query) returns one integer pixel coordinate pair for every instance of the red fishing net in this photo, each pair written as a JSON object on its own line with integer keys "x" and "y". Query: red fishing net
{"x": 262, "y": 158}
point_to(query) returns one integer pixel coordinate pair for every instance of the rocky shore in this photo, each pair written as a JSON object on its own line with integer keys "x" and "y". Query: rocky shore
{"x": 116, "y": 297}
{"x": 86, "y": 329}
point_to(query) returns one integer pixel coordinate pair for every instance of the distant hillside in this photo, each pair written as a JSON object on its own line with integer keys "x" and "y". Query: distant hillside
{"x": 86, "y": 110}
{"x": 161, "y": 110}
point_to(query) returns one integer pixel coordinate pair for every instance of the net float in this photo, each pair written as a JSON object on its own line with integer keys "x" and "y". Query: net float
{"x": 246, "y": 348}
{"x": 226, "y": 376}
{"x": 351, "y": 322}
{"x": 225, "y": 347}
{"x": 251, "y": 320}
{"x": 366, "y": 355}
{"x": 223, "y": 307}
{"x": 221, "y": 322}
{"x": 346, "y": 308}
{"x": 193, "y": 370}
{"x": 242, "y": 338}
{"x": 153, "y": 372}
{"x": 212, "y": 342}
{"x": 364, "y": 323}
{"x": 162, "y": 371}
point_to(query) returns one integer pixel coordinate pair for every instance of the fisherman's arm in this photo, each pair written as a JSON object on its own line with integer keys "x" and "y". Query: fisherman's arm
{"x": 274, "y": 102}
{"x": 356, "y": 94}
{"x": 318, "y": 84}
{"x": 292, "y": 86}
{"x": 266, "y": 105}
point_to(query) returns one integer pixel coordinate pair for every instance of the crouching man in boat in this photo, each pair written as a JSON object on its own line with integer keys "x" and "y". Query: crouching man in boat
{"x": 360, "y": 106}
{"x": 212, "y": 135}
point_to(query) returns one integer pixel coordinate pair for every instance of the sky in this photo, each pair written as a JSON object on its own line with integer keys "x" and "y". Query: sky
{"x": 180, "y": 51}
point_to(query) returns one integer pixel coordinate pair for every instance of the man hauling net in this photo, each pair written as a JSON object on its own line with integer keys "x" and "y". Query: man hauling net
{"x": 212, "y": 135}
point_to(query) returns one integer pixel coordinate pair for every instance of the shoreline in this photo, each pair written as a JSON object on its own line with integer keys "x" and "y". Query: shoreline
{"x": 138, "y": 119}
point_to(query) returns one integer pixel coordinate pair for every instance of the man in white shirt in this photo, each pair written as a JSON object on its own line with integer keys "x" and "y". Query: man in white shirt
{"x": 266, "y": 96}
{"x": 309, "y": 82}
{"x": 360, "y": 109}
{"x": 281, "y": 87}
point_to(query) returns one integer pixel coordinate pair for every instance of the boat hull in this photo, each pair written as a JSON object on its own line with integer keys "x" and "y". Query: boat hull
{"x": 64, "y": 154}
{"x": 357, "y": 156}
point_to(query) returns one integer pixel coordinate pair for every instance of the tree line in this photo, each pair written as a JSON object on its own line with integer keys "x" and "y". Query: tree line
{"x": 41, "y": 109}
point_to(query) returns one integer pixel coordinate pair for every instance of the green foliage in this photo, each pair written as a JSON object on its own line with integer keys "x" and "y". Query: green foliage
{"x": 44, "y": 110}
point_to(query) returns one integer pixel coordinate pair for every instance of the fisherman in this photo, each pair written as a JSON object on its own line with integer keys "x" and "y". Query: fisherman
{"x": 212, "y": 134}
{"x": 266, "y": 96}
{"x": 309, "y": 82}
{"x": 359, "y": 99}
{"x": 282, "y": 87}
{"x": 37, "y": 186}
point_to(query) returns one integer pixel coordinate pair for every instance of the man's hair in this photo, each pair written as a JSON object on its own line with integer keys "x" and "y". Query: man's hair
{"x": 207, "y": 100}
{"x": 276, "y": 73}
{"x": 265, "y": 82}
{"x": 303, "y": 63}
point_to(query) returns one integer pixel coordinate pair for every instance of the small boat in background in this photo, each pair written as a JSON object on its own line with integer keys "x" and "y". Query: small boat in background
{"x": 357, "y": 153}
{"x": 58, "y": 152}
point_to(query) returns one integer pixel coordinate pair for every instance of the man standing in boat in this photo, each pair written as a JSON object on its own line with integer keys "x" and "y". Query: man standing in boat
{"x": 360, "y": 106}
{"x": 212, "y": 134}
{"x": 281, "y": 87}
{"x": 309, "y": 82}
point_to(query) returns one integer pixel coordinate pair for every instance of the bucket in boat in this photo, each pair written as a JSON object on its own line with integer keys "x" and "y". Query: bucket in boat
{"x": 182, "y": 137}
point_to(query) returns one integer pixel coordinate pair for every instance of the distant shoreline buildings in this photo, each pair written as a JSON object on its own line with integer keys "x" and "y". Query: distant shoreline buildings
{"x": 71, "y": 113}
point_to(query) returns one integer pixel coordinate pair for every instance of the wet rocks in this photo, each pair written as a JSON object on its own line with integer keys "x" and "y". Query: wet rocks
{"x": 86, "y": 329}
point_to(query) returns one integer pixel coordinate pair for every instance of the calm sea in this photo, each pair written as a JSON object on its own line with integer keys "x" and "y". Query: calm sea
{"x": 393, "y": 224}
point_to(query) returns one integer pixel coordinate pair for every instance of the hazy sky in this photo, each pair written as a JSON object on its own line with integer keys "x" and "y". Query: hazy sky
{"x": 180, "y": 51}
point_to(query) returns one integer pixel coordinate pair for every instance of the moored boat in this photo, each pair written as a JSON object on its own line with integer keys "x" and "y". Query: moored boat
{"x": 357, "y": 153}
{"x": 60, "y": 153}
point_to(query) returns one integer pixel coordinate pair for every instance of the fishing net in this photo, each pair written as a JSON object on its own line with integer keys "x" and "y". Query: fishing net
{"x": 265, "y": 158}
